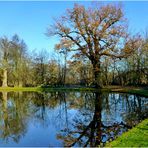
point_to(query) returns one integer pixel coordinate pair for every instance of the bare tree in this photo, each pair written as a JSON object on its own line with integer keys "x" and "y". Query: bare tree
{"x": 64, "y": 48}
{"x": 40, "y": 66}
{"x": 94, "y": 33}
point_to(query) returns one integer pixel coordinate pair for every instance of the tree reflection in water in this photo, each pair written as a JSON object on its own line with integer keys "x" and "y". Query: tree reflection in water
{"x": 79, "y": 119}
{"x": 13, "y": 121}
{"x": 91, "y": 129}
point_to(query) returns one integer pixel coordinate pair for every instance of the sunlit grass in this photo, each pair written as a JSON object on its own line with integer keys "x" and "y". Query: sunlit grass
{"x": 45, "y": 89}
{"x": 132, "y": 90}
{"x": 20, "y": 89}
{"x": 136, "y": 137}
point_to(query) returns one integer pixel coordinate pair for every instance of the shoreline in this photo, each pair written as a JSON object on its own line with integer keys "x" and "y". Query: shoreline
{"x": 126, "y": 139}
{"x": 142, "y": 91}
{"x": 135, "y": 137}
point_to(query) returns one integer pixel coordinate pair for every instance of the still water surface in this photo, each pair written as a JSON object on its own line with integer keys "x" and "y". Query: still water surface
{"x": 67, "y": 118}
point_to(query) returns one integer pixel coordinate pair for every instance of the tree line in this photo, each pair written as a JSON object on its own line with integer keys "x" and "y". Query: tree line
{"x": 95, "y": 49}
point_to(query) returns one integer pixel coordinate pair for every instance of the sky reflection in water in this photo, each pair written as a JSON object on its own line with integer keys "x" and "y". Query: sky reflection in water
{"x": 67, "y": 119}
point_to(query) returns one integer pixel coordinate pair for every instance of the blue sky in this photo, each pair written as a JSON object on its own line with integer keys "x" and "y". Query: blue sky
{"x": 31, "y": 19}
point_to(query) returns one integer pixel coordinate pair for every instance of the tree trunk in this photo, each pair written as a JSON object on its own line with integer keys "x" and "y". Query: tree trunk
{"x": 97, "y": 74}
{"x": 4, "y": 78}
{"x": 65, "y": 71}
{"x": 20, "y": 83}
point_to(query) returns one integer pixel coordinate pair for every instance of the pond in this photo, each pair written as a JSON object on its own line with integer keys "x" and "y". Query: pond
{"x": 67, "y": 118}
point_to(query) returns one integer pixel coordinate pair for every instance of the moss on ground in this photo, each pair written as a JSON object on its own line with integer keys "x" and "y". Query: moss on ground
{"x": 136, "y": 137}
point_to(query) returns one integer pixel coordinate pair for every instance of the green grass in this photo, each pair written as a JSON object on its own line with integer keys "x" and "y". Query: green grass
{"x": 20, "y": 89}
{"x": 138, "y": 92}
{"x": 44, "y": 89}
{"x": 68, "y": 89}
{"x": 132, "y": 90}
{"x": 136, "y": 137}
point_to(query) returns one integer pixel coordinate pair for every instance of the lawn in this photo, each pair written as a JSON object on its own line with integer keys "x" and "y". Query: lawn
{"x": 132, "y": 90}
{"x": 46, "y": 89}
{"x": 136, "y": 137}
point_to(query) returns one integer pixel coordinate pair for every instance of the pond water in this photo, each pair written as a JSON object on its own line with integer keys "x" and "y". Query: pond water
{"x": 67, "y": 118}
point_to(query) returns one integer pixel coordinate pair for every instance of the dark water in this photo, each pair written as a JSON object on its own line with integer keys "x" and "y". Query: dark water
{"x": 67, "y": 119}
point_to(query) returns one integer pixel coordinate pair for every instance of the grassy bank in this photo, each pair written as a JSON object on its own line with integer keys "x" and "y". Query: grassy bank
{"x": 136, "y": 137}
{"x": 45, "y": 89}
{"x": 20, "y": 89}
{"x": 132, "y": 90}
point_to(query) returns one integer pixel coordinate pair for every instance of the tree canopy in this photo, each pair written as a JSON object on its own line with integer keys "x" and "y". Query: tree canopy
{"x": 95, "y": 32}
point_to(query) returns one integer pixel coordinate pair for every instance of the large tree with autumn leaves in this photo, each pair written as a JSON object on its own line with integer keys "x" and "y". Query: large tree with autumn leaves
{"x": 94, "y": 33}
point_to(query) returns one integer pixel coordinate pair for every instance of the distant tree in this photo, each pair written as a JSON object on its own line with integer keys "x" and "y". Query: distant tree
{"x": 94, "y": 33}
{"x": 136, "y": 65}
{"x": 13, "y": 61}
{"x": 64, "y": 49}
{"x": 40, "y": 66}
{"x": 105, "y": 68}
{"x": 18, "y": 60}
{"x": 54, "y": 72}
{"x": 5, "y": 49}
